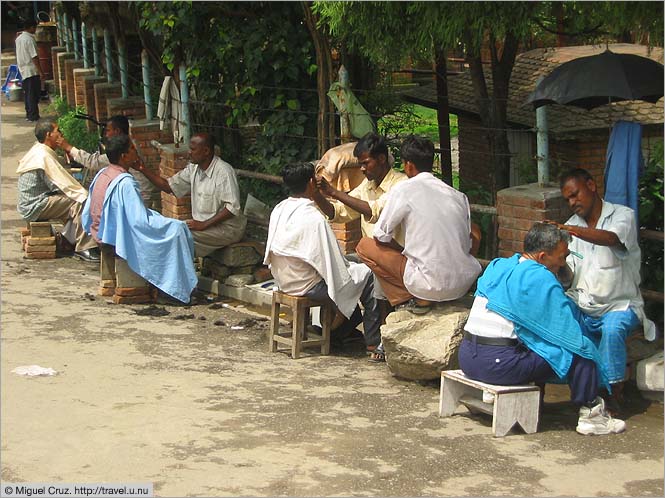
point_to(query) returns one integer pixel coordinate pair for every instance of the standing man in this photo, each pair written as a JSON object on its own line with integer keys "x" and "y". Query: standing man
{"x": 217, "y": 220}
{"x": 47, "y": 191}
{"x": 27, "y": 60}
{"x": 366, "y": 201}
{"x": 435, "y": 263}
{"x": 606, "y": 281}
{"x": 116, "y": 125}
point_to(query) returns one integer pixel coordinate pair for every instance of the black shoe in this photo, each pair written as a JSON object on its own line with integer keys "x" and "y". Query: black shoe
{"x": 88, "y": 255}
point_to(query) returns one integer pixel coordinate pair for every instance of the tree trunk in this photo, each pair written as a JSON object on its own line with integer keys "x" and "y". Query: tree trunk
{"x": 325, "y": 125}
{"x": 442, "y": 115}
{"x": 493, "y": 109}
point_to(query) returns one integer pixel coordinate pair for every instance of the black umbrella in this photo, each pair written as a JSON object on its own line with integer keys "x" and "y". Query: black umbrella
{"x": 597, "y": 80}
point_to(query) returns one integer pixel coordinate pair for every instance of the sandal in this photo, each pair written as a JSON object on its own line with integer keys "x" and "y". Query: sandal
{"x": 378, "y": 355}
{"x": 415, "y": 307}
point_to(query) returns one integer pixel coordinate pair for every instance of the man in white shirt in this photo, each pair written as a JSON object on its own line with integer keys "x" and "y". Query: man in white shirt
{"x": 47, "y": 191}
{"x": 27, "y": 60}
{"x": 304, "y": 256}
{"x": 523, "y": 328}
{"x": 435, "y": 263}
{"x": 217, "y": 220}
{"x": 606, "y": 280}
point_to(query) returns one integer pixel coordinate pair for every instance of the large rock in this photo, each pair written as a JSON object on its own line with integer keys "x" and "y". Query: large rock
{"x": 418, "y": 347}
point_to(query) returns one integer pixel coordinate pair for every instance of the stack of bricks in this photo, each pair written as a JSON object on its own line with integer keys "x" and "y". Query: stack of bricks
{"x": 348, "y": 235}
{"x": 143, "y": 132}
{"x": 89, "y": 83}
{"x": 173, "y": 160}
{"x": 518, "y": 208}
{"x": 79, "y": 85}
{"x": 120, "y": 282}
{"x": 38, "y": 240}
{"x": 70, "y": 65}
{"x": 56, "y": 74}
{"x": 103, "y": 92}
{"x": 61, "y": 81}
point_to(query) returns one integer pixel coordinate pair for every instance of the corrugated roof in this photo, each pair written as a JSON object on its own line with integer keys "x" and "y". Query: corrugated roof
{"x": 529, "y": 67}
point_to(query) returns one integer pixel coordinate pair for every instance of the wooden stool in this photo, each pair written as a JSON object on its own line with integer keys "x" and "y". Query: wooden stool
{"x": 512, "y": 404}
{"x": 299, "y": 337}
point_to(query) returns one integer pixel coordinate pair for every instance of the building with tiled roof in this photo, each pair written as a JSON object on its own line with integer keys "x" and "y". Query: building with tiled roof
{"x": 577, "y": 137}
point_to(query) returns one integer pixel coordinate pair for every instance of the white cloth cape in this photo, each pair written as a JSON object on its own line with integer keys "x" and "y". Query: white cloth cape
{"x": 298, "y": 229}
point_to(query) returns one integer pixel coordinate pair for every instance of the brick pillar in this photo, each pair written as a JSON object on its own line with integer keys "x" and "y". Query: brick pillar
{"x": 61, "y": 83}
{"x": 79, "y": 86}
{"x": 54, "y": 57}
{"x": 102, "y": 92}
{"x": 142, "y": 132}
{"x": 173, "y": 160}
{"x": 347, "y": 234}
{"x": 132, "y": 107}
{"x": 89, "y": 83}
{"x": 519, "y": 207}
{"x": 70, "y": 65}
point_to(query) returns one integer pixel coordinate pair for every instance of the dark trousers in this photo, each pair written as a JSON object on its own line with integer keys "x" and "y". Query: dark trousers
{"x": 514, "y": 365}
{"x": 32, "y": 88}
{"x": 371, "y": 318}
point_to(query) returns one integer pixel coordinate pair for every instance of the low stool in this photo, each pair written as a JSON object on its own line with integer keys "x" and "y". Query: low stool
{"x": 119, "y": 281}
{"x": 512, "y": 404}
{"x": 39, "y": 242}
{"x": 299, "y": 336}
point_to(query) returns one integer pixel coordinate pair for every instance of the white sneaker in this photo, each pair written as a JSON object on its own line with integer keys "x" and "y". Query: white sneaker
{"x": 596, "y": 420}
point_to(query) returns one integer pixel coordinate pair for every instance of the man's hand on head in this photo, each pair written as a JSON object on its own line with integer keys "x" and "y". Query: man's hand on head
{"x": 324, "y": 187}
{"x": 195, "y": 225}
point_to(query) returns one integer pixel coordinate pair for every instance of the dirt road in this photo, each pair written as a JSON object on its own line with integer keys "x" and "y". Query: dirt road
{"x": 200, "y": 409}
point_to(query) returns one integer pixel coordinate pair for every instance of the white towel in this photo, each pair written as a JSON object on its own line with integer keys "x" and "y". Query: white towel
{"x": 298, "y": 229}
{"x": 169, "y": 110}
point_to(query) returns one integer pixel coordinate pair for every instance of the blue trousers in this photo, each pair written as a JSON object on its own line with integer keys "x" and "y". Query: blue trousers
{"x": 514, "y": 365}
{"x": 609, "y": 333}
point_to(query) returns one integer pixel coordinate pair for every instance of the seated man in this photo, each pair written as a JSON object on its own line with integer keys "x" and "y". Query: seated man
{"x": 47, "y": 191}
{"x": 523, "y": 328}
{"x": 304, "y": 256}
{"x": 159, "y": 249}
{"x": 435, "y": 263}
{"x": 217, "y": 220}
{"x": 606, "y": 280}
{"x": 116, "y": 125}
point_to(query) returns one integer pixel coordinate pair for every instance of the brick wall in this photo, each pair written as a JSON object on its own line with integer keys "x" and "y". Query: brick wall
{"x": 79, "y": 86}
{"x": 61, "y": 83}
{"x": 70, "y": 65}
{"x": 519, "y": 207}
{"x": 348, "y": 235}
{"x": 54, "y": 57}
{"x": 102, "y": 92}
{"x": 142, "y": 132}
{"x": 172, "y": 160}
{"x": 132, "y": 107}
{"x": 89, "y": 83}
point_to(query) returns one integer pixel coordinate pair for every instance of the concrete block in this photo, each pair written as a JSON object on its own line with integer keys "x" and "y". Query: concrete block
{"x": 125, "y": 276}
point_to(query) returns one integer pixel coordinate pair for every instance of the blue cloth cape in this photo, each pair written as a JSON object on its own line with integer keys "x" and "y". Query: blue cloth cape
{"x": 159, "y": 249}
{"x": 545, "y": 319}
